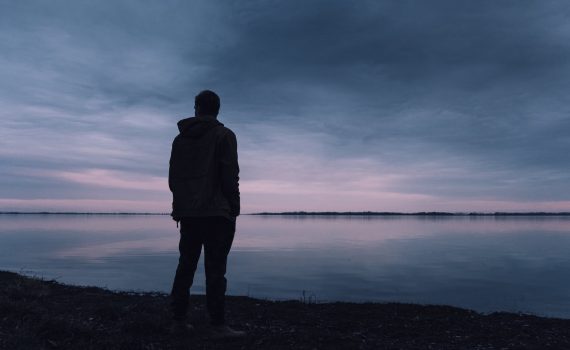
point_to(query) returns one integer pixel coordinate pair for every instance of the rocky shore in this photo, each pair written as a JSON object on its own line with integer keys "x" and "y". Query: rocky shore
{"x": 39, "y": 314}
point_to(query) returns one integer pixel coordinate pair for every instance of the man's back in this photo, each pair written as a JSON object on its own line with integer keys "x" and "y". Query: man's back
{"x": 203, "y": 175}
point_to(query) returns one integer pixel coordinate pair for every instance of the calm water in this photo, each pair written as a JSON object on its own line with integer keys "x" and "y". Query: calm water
{"x": 485, "y": 263}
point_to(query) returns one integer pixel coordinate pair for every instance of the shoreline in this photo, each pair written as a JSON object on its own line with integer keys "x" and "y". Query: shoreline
{"x": 41, "y": 314}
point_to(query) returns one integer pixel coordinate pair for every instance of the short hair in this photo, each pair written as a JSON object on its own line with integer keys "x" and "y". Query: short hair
{"x": 207, "y": 102}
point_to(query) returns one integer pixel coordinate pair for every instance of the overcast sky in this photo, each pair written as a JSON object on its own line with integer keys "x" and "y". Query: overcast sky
{"x": 419, "y": 105}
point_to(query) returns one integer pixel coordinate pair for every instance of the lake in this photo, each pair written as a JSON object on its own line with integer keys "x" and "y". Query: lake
{"x": 482, "y": 263}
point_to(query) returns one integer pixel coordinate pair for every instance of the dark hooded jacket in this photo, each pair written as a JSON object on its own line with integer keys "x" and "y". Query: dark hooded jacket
{"x": 204, "y": 171}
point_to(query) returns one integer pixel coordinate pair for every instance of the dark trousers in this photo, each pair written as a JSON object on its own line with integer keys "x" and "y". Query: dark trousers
{"x": 216, "y": 234}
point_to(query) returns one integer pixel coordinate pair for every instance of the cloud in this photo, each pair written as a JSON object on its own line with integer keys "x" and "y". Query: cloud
{"x": 449, "y": 101}
{"x": 113, "y": 179}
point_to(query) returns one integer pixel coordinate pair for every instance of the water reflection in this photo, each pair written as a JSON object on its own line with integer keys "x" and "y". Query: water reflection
{"x": 485, "y": 263}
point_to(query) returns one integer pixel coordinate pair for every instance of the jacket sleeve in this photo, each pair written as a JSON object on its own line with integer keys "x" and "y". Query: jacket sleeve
{"x": 170, "y": 168}
{"x": 229, "y": 172}
{"x": 171, "y": 179}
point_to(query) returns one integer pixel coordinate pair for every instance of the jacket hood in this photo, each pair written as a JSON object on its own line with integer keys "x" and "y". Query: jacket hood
{"x": 196, "y": 127}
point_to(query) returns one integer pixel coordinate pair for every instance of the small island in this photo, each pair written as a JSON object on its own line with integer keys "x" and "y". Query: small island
{"x": 40, "y": 314}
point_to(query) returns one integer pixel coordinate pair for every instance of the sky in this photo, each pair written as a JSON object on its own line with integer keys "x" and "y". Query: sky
{"x": 444, "y": 105}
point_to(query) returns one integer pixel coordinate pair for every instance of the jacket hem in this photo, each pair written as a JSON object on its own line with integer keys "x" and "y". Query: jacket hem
{"x": 202, "y": 213}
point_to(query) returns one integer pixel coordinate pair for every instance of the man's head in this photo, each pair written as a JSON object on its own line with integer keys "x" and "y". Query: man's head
{"x": 206, "y": 103}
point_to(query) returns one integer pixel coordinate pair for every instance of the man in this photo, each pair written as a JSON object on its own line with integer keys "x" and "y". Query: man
{"x": 203, "y": 178}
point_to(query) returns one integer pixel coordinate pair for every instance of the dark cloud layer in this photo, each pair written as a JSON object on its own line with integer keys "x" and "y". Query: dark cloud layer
{"x": 456, "y": 100}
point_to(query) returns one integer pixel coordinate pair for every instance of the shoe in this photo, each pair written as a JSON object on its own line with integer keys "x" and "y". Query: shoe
{"x": 181, "y": 327}
{"x": 224, "y": 332}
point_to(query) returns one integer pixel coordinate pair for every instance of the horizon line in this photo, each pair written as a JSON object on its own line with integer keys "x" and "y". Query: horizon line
{"x": 315, "y": 213}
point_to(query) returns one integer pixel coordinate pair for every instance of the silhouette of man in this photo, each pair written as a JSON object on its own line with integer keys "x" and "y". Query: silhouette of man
{"x": 203, "y": 178}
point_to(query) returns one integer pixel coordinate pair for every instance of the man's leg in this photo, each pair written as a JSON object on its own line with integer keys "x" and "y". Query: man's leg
{"x": 190, "y": 246}
{"x": 217, "y": 245}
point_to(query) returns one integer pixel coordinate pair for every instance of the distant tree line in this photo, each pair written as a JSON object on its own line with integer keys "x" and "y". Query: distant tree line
{"x": 422, "y": 213}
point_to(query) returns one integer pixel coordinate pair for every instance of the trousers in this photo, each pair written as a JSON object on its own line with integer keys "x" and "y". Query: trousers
{"x": 216, "y": 235}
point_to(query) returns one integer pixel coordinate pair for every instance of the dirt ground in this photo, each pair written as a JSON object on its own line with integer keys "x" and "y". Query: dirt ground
{"x": 37, "y": 314}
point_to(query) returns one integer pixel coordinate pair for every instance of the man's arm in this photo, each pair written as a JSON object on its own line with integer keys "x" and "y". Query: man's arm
{"x": 170, "y": 168}
{"x": 171, "y": 179}
{"x": 229, "y": 169}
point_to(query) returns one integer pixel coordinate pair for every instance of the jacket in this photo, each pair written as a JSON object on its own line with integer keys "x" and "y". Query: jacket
{"x": 203, "y": 174}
